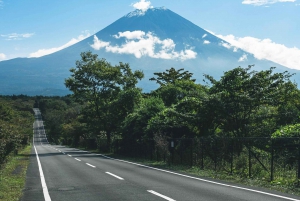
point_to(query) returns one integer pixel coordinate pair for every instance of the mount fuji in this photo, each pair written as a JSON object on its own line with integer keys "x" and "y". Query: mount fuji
{"x": 151, "y": 41}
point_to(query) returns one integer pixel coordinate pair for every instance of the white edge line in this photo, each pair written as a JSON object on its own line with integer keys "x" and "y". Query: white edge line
{"x": 77, "y": 159}
{"x": 204, "y": 180}
{"x": 91, "y": 165}
{"x": 44, "y": 186}
{"x": 160, "y": 195}
{"x": 114, "y": 175}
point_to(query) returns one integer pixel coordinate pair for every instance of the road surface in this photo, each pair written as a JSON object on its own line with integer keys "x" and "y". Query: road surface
{"x": 60, "y": 173}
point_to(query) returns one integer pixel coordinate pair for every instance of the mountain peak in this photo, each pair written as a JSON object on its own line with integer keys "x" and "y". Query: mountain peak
{"x": 139, "y": 12}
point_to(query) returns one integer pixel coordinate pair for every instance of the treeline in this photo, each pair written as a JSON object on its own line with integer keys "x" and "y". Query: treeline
{"x": 16, "y": 119}
{"x": 107, "y": 104}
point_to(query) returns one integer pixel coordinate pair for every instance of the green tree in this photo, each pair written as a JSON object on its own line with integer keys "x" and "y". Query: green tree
{"x": 240, "y": 93}
{"x": 99, "y": 84}
{"x": 171, "y": 75}
{"x": 134, "y": 126}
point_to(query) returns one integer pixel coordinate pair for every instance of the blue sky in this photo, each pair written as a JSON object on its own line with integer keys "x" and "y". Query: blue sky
{"x": 267, "y": 28}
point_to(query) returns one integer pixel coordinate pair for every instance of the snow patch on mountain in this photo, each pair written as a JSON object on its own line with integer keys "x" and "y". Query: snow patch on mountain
{"x": 139, "y": 43}
{"x": 228, "y": 46}
{"x": 140, "y": 12}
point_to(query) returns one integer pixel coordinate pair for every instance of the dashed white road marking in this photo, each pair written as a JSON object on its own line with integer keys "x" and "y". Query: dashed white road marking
{"x": 77, "y": 159}
{"x": 114, "y": 175}
{"x": 204, "y": 180}
{"x": 69, "y": 155}
{"x": 91, "y": 165}
{"x": 160, "y": 195}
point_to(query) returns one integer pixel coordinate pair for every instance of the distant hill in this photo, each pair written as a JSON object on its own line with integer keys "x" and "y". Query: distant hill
{"x": 152, "y": 42}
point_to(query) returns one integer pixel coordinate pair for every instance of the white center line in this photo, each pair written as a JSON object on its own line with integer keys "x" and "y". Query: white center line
{"x": 114, "y": 175}
{"x": 69, "y": 155}
{"x": 91, "y": 165}
{"x": 160, "y": 195}
{"x": 77, "y": 159}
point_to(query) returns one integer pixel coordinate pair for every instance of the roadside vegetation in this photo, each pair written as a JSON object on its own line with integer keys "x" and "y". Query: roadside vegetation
{"x": 16, "y": 118}
{"x": 244, "y": 125}
{"x": 13, "y": 175}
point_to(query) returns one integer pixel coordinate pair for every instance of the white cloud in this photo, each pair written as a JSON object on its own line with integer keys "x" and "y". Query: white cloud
{"x": 2, "y": 56}
{"x": 206, "y": 42}
{"x": 243, "y": 58}
{"x": 139, "y": 43}
{"x": 142, "y": 5}
{"x": 43, "y": 52}
{"x": 265, "y": 49}
{"x": 98, "y": 44}
{"x": 204, "y": 35}
{"x": 264, "y": 2}
{"x": 16, "y": 36}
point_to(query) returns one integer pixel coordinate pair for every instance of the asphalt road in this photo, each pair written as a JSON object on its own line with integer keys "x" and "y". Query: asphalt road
{"x": 68, "y": 174}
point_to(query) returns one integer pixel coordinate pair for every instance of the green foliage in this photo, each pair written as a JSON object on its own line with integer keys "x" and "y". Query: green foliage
{"x": 240, "y": 93}
{"x": 172, "y": 93}
{"x": 135, "y": 124}
{"x": 287, "y": 131}
{"x": 16, "y": 120}
{"x": 109, "y": 92}
{"x": 58, "y": 112}
{"x": 171, "y": 76}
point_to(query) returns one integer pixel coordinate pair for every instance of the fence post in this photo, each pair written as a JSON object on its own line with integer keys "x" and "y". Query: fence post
{"x": 192, "y": 150}
{"x": 215, "y": 153}
{"x": 151, "y": 149}
{"x": 272, "y": 160}
{"x": 231, "y": 160}
{"x": 298, "y": 176}
{"x": 249, "y": 155}
{"x": 172, "y": 150}
{"x": 202, "y": 154}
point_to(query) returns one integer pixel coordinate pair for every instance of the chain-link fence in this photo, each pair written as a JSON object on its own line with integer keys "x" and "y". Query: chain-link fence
{"x": 263, "y": 158}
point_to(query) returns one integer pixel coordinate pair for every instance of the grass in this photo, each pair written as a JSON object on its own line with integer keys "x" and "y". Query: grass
{"x": 13, "y": 175}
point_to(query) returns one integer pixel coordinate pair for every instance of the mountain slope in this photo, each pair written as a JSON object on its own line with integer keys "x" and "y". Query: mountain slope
{"x": 151, "y": 42}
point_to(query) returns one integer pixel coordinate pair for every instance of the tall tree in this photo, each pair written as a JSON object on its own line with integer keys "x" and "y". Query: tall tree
{"x": 171, "y": 75}
{"x": 240, "y": 93}
{"x": 99, "y": 84}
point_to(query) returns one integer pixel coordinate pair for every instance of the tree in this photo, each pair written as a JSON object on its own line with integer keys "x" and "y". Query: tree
{"x": 99, "y": 84}
{"x": 172, "y": 93}
{"x": 135, "y": 124}
{"x": 171, "y": 76}
{"x": 241, "y": 93}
